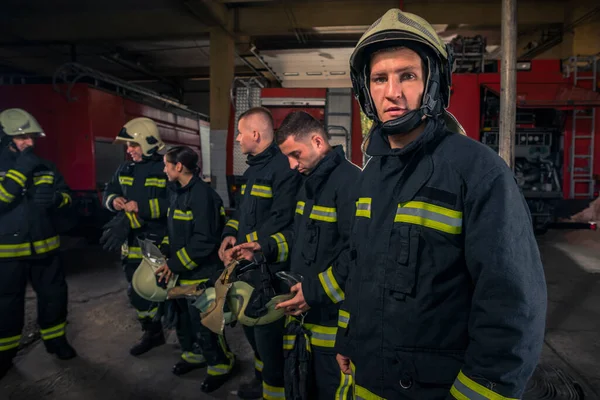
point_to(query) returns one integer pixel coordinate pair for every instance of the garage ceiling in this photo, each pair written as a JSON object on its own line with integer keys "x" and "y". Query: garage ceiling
{"x": 286, "y": 42}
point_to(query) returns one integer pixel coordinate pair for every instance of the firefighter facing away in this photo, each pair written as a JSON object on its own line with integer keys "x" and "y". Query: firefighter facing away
{"x": 32, "y": 194}
{"x": 446, "y": 294}
{"x": 195, "y": 221}
{"x": 322, "y": 223}
{"x": 266, "y": 208}
{"x": 137, "y": 194}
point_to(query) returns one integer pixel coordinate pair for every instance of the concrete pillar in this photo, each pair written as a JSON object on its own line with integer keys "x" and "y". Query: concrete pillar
{"x": 222, "y": 51}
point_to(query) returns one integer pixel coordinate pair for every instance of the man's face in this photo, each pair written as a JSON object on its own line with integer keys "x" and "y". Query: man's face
{"x": 304, "y": 154}
{"x": 246, "y": 137}
{"x": 396, "y": 83}
{"x": 24, "y": 141}
{"x": 134, "y": 151}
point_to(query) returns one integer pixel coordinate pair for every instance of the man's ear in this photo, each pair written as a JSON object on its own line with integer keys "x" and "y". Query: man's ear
{"x": 317, "y": 141}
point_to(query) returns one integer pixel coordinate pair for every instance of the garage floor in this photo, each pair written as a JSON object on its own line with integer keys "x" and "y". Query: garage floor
{"x": 103, "y": 327}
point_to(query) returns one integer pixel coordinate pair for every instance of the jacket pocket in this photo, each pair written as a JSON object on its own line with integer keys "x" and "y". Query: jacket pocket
{"x": 401, "y": 264}
{"x": 427, "y": 369}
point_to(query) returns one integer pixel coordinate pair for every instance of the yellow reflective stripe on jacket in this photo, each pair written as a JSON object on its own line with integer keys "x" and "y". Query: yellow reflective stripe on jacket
{"x": 273, "y": 392}
{"x": 322, "y": 336}
{"x": 165, "y": 240}
{"x": 261, "y": 191}
{"x": 431, "y": 216}
{"x": 147, "y": 314}
{"x": 326, "y": 214}
{"x": 360, "y": 393}
{"x": 15, "y": 250}
{"x": 156, "y": 182}
{"x": 133, "y": 220}
{"x": 185, "y": 259}
{"x": 43, "y": 179}
{"x": 282, "y": 247}
{"x": 46, "y": 245}
{"x": 183, "y": 215}
{"x": 363, "y": 207}
{"x": 17, "y": 177}
{"x": 466, "y": 388}
{"x": 66, "y": 199}
{"x": 5, "y": 196}
{"x": 252, "y": 237}
{"x": 300, "y": 207}
{"x": 184, "y": 282}
{"x": 330, "y": 286}
{"x": 154, "y": 208}
{"x": 109, "y": 200}
{"x": 343, "y": 392}
{"x": 343, "y": 318}
{"x": 126, "y": 180}
{"x": 222, "y": 211}
{"x": 53, "y": 332}
{"x": 134, "y": 252}
{"x": 243, "y": 190}
{"x": 10, "y": 342}
{"x": 233, "y": 223}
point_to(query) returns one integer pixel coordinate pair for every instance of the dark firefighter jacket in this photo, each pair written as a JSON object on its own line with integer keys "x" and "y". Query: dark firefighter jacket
{"x": 445, "y": 286}
{"x": 27, "y": 229}
{"x": 324, "y": 213}
{"x": 145, "y": 183}
{"x": 195, "y": 221}
{"x": 269, "y": 188}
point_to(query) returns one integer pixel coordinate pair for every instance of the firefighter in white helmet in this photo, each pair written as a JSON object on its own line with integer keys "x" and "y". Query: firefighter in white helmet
{"x": 33, "y": 194}
{"x": 137, "y": 194}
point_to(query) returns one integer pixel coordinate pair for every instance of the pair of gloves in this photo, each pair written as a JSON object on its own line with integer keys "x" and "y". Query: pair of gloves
{"x": 116, "y": 232}
{"x": 43, "y": 195}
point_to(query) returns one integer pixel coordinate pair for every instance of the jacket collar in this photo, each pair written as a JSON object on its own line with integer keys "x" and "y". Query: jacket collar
{"x": 377, "y": 144}
{"x": 324, "y": 169}
{"x": 176, "y": 186}
{"x": 265, "y": 156}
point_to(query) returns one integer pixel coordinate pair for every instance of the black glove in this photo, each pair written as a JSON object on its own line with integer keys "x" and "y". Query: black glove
{"x": 43, "y": 196}
{"x": 165, "y": 249}
{"x": 115, "y": 233}
{"x": 27, "y": 161}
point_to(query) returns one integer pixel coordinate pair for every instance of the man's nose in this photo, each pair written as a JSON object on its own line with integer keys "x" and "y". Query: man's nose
{"x": 393, "y": 89}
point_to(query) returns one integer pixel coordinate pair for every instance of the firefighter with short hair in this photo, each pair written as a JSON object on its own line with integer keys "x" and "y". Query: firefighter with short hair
{"x": 137, "y": 194}
{"x": 266, "y": 208}
{"x": 33, "y": 194}
{"x": 324, "y": 213}
{"x": 445, "y": 294}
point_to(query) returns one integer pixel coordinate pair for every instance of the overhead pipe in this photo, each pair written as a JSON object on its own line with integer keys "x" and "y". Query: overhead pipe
{"x": 259, "y": 58}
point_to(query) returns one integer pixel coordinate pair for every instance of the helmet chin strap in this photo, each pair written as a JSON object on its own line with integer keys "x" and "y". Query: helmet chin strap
{"x": 431, "y": 106}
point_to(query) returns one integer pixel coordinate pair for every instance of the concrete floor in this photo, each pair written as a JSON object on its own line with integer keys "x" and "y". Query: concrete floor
{"x": 102, "y": 327}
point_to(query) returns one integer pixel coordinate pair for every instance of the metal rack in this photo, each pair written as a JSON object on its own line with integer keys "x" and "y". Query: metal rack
{"x": 469, "y": 54}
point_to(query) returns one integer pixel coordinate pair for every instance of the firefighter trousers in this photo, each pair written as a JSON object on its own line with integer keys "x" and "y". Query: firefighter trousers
{"x": 329, "y": 381}
{"x": 47, "y": 278}
{"x": 200, "y": 344}
{"x": 267, "y": 343}
{"x": 146, "y": 310}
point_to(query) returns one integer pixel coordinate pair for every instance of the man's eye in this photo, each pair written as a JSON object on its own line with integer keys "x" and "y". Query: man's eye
{"x": 408, "y": 76}
{"x": 378, "y": 79}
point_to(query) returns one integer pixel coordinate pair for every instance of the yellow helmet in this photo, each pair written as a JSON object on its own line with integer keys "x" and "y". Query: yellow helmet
{"x": 144, "y": 132}
{"x": 15, "y": 122}
{"x": 144, "y": 280}
{"x": 401, "y": 29}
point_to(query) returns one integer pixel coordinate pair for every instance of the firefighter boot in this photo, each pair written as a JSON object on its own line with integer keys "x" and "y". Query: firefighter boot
{"x": 60, "y": 347}
{"x": 251, "y": 390}
{"x": 213, "y": 382}
{"x": 6, "y": 358}
{"x": 153, "y": 337}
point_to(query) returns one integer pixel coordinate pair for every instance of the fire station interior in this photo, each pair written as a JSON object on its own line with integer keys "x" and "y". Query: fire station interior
{"x": 85, "y": 68}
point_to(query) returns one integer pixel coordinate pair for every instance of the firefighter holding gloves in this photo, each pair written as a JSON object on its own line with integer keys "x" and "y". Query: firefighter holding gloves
{"x": 32, "y": 194}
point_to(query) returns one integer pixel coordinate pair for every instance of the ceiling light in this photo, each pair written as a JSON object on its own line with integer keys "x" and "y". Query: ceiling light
{"x": 290, "y": 74}
{"x": 314, "y": 73}
{"x": 337, "y": 73}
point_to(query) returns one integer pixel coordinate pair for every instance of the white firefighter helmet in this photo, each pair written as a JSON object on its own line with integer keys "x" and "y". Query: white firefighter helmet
{"x": 205, "y": 302}
{"x": 16, "y": 122}
{"x": 144, "y": 279}
{"x": 401, "y": 29}
{"x": 238, "y": 299}
{"x": 144, "y": 132}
